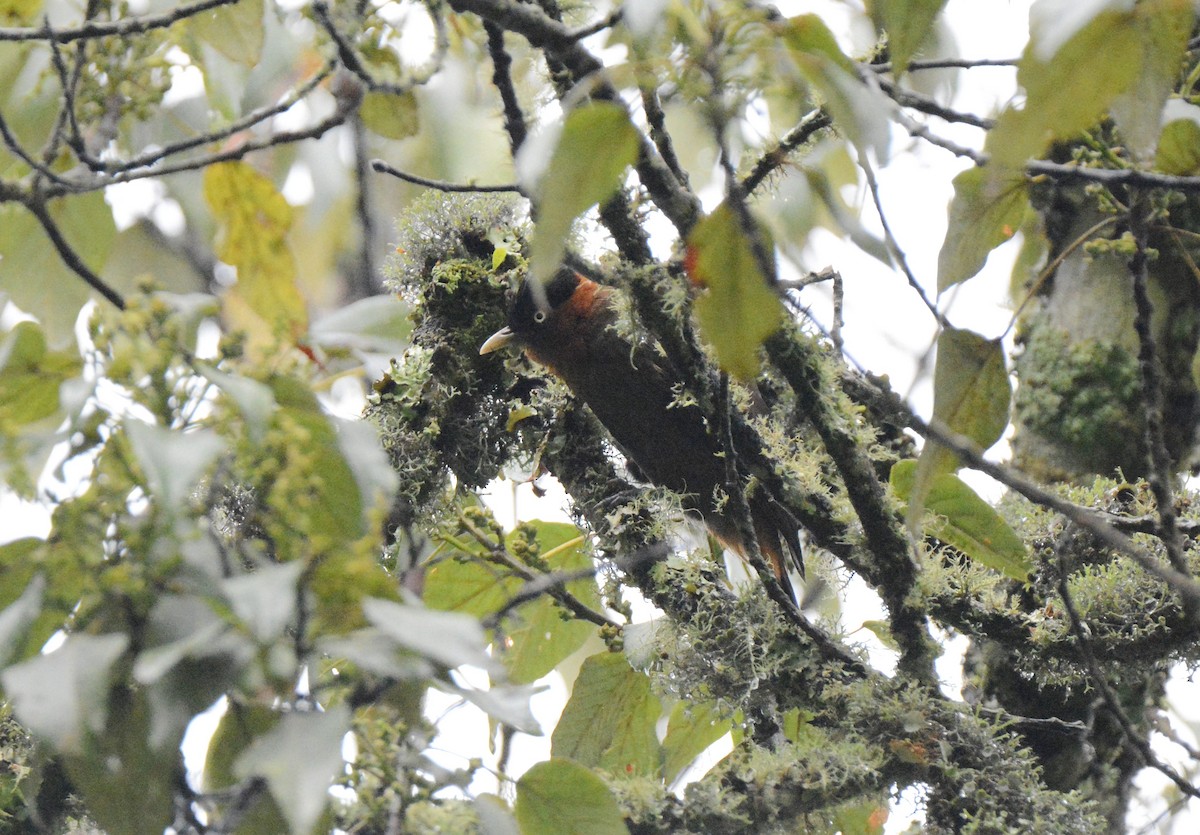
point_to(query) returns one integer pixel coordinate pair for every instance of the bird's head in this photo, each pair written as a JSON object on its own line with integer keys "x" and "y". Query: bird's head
{"x": 549, "y": 324}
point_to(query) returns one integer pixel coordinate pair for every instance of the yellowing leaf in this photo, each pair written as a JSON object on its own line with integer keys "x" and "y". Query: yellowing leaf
{"x": 971, "y": 389}
{"x": 18, "y": 12}
{"x": 737, "y": 310}
{"x": 966, "y": 521}
{"x": 254, "y": 219}
{"x": 390, "y": 115}
{"x": 235, "y": 30}
{"x": 597, "y": 144}
{"x": 984, "y": 213}
{"x": 690, "y": 730}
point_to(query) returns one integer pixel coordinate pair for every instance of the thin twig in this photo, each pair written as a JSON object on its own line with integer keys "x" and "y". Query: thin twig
{"x": 119, "y": 28}
{"x": 441, "y": 185}
{"x": 894, "y": 246}
{"x": 1159, "y": 475}
{"x": 67, "y": 253}
{"x": 808, "y": 127}
{"x": 1100, "y": 682}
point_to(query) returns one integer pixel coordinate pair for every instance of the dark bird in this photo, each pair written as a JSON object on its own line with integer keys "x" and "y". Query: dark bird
{"x": 632, "y": 389}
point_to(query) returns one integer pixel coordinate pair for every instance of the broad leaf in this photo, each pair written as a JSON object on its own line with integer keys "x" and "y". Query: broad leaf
{"x": 596, "y": 146}
{"x": 1067, "y": 87}
{"x": 971, "y": 389}
{"x": 30, "y": 375}
{"x": 63, "y": 696}
{"x": 690, "y": 730}
{"x": 171, "y": 461}
{"x": 908, "y": 24}
{"x": 971, "y": 394}
{"x": 538, "y": 637}
{"x": 862, "y": 112}
{"x": 966, "y": 521}
{"x": 254, "y": 220}
{"x": 984, "y": 213}
{"x": 609, "y": 721}
{"x": 32, "y": 272}
{"x": 234, "y": 30}
{"x": 737, "y": 310}
{"x": 299, "y": 758}
{"x": 445, "y": 637}
{"x": 1179, "y": 143}
{"x": 560, "y": 797}
{"x": 1163, "y": 27}
{"x": 391, "y": 115}
{"x": 20, "y": 614}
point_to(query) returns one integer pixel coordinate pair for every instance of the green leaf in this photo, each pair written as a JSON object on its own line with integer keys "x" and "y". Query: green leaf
{"x": 254, "y": 220}
{"x": 235, "y": 31}
{"x": 126, "y": 777}
{"x": 171, "y": 461}
{"x": 299, "y": 758}
{"x": 253, "y": 399}
{"x": 560, "y": 797}
{"x": 1179, "y": 144}
{"x": 908, "y": 24}
{"x": 445, "y": 637}
{"x": 338, "y": 513}
{"x": 30, "y": 376}
{"x": 971, "y": 394}
{"x": 379, "y": 324}
{"x": 19, "y": 616}
{"x": 737, "y": 310}
{"x": 265, "y": 600}
{"x": 984, "y": 213}
{"x": 32, "y": 272}
{"x": 588, "y": 164}
{"x": 966, "y": 521}
{"x": 971, "y": 389}
{"x": 693, "y": 727}
{"x": 862, "y": 112}
{"x": 1163, "y": 27}
{"x": 63, "y": 695}
{"x": 495, "y": 816}
{"x": 1068, "y": 84}
{"x": 538, "y": 638}
{"x": 609, "y": 721}
{"x": 362, "y": 450}
{"x": 541, "y": 638}
{"x": 391, "y": 115}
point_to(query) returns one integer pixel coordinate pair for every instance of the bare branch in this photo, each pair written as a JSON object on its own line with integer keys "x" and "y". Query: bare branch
{"x": 118, "y": 28}
{"x": 441, "y": 185}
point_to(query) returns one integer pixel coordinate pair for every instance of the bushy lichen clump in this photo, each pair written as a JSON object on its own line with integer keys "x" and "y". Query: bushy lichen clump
{"x": 1133, "y": 619}
{"x": 1082, "y": 398}
{"x": 436, "y": 406}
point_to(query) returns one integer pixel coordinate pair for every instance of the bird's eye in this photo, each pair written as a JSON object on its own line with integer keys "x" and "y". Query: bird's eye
{"x": 539, "y": 316}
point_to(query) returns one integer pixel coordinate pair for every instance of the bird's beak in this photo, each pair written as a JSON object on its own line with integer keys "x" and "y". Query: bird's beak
{"x": 497, "y": 340}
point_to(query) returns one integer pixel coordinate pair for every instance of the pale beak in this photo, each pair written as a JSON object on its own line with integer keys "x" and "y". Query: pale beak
{"x": 497, "y": 340}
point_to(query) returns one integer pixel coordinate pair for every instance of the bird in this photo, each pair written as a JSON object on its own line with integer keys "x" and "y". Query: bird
{"x": 633, "y": 390}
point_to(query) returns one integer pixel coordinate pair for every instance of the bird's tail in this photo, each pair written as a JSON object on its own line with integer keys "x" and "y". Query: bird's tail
{"x": 778, "y": 534}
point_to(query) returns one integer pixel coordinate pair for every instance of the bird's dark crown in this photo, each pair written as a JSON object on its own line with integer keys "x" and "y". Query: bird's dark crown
{"x": 523, "y": 317}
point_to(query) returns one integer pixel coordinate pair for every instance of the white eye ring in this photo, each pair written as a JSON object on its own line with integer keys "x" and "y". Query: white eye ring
{"x": 539, "y": 316}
